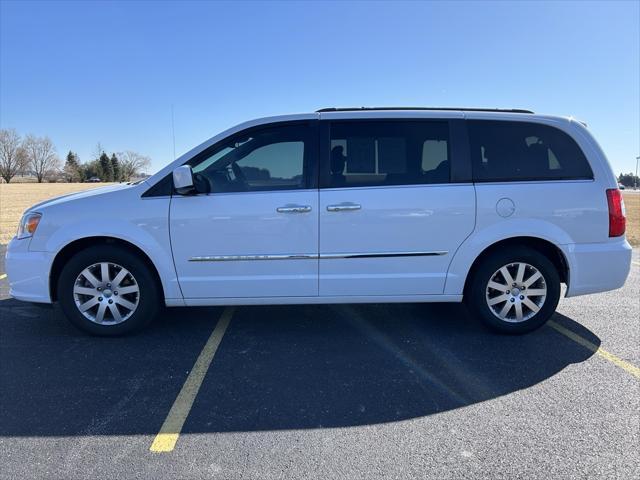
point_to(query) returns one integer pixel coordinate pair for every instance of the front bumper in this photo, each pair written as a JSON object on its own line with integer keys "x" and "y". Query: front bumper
{"x": 597, "y": 267}
{"x": 28, "y": 272}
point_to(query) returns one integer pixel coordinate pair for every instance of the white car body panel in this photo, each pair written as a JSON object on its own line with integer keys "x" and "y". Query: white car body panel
{"x": 581, "y": 216}
{"x": 28, "y": 272}
{"x": 459, "y": 219}
{"x": 392, "y": 224}
{"x": 208, "y": 231}
{"x": 597, "y": 267}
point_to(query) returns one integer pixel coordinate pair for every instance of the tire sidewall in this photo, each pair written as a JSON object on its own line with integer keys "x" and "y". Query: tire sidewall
{"x": 497, "y": 260}
{"x": 148, "y": 303}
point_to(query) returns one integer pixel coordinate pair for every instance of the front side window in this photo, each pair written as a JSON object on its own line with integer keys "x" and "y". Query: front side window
{"x": 273, "y": 158}
{"x": 512, "y": 151}
{"x": 388, "y": 153}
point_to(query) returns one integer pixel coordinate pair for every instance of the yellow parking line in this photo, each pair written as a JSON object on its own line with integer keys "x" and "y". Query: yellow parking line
{"x": 3, "y": 276}
{"x": 166, "y": 439}
{"x": 628, "y": 367}
{"x": 636, "y": 263}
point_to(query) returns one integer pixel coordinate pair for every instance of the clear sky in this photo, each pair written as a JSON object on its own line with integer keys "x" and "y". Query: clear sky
{"x": 89, "y": 72}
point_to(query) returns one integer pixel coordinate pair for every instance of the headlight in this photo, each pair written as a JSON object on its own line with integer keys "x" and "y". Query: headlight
{"x": 28, "y": 225}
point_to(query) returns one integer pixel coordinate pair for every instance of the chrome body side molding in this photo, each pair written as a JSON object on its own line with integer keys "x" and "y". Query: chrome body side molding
{"x": 240, "y": 258}
{"x": 381, "y": 254}
{"x": 312, "y": 256}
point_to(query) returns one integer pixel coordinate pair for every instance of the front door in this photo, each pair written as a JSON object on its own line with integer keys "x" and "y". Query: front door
{"x": 256, "y": 233}
{"x": 390, "y": 217}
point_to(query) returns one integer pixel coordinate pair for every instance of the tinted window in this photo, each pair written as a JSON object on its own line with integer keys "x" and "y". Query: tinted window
{"x": 388, "y": 153}
{"x": 268, "y": 159}
{"x": 502, "y": 151}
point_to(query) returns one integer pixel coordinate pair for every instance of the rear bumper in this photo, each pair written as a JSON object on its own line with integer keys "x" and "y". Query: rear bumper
{"x": 597, "y": 267}
{"x": 28, "y": 272}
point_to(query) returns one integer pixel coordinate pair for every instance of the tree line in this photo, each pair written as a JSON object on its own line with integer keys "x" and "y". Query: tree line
{"x": 117, "y": 167}
{"x": 37, "y": 156}
{"x": 628, "y": 180}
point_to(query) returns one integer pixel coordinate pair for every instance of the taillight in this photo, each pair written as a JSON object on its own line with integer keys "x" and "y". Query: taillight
{"x": 617, "y": 220}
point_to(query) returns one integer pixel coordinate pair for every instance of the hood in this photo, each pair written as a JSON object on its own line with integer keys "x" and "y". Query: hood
{"x": 78, "y": 195}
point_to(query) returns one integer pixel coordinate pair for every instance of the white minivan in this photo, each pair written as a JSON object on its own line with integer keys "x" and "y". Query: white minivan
{"x": 495, "y": 208}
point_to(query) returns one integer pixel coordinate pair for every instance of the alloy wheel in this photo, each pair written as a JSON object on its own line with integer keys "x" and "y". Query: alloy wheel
{"x": 516, "y": 292}
{"x": 106, "y": 293}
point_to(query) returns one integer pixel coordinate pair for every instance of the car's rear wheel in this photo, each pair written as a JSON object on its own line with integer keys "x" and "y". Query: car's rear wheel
{"x": 515, "y": 291}
{"x": 107, "y": 290}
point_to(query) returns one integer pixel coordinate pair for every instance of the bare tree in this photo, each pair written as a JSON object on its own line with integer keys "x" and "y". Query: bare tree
{"x": 41, "y": 155}
{"x": 132, "y": 164}
{"x": 12, "y": 155}
{"x": 97, "y": 151}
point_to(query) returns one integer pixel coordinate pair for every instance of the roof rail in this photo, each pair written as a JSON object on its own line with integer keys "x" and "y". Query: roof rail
{"x": 461, "y": 109}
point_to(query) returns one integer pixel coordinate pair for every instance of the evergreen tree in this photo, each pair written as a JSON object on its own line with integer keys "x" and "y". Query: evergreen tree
{"x": 117, "y": 171}
{"x": 72, "y": 169}
{"x": 92, "y": 169}
{"x": 106, "y": 167}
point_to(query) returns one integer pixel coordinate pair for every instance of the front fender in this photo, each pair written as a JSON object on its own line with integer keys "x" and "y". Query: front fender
{"x": 142, "y": 223}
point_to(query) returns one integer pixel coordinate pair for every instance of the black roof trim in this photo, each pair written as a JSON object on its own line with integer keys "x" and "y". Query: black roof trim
{"x": 460, "y": 109}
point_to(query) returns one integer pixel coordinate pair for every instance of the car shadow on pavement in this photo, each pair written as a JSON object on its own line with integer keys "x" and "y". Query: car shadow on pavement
{"x": 278, "y": 367}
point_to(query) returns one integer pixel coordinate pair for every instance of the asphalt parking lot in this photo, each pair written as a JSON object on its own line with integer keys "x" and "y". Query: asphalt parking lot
{"x": 350, "y": 391}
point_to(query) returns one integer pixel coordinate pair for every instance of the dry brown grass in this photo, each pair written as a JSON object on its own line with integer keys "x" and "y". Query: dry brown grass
{"x": 632, "y": 203}
{"x": 15, "y": 198}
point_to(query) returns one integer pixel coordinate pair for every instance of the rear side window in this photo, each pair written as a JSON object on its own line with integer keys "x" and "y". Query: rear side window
{"x": 388, "y": 153}
{"x": 517, "y": 151}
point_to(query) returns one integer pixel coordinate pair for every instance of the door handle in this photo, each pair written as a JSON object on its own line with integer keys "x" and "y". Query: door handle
{"x": 294, "y": 209}
{"x": 344, "y": 207}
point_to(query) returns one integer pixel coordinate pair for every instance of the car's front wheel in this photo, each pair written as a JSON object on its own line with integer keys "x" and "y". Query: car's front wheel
{"x": 514, "y": 291}
{"x": 107, "y": 290}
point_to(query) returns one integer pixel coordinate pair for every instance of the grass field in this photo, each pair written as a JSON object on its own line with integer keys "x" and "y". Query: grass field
{"x": 632, "y": 203}
{"x": 16, "y": 198}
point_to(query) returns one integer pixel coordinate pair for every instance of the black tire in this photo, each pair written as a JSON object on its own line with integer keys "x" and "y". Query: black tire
{"x": 476, "y": 295}
{"x": 148, "y": 297}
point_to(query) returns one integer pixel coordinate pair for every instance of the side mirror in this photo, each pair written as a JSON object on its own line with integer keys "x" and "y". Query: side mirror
{"x": 183, "y": 180}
